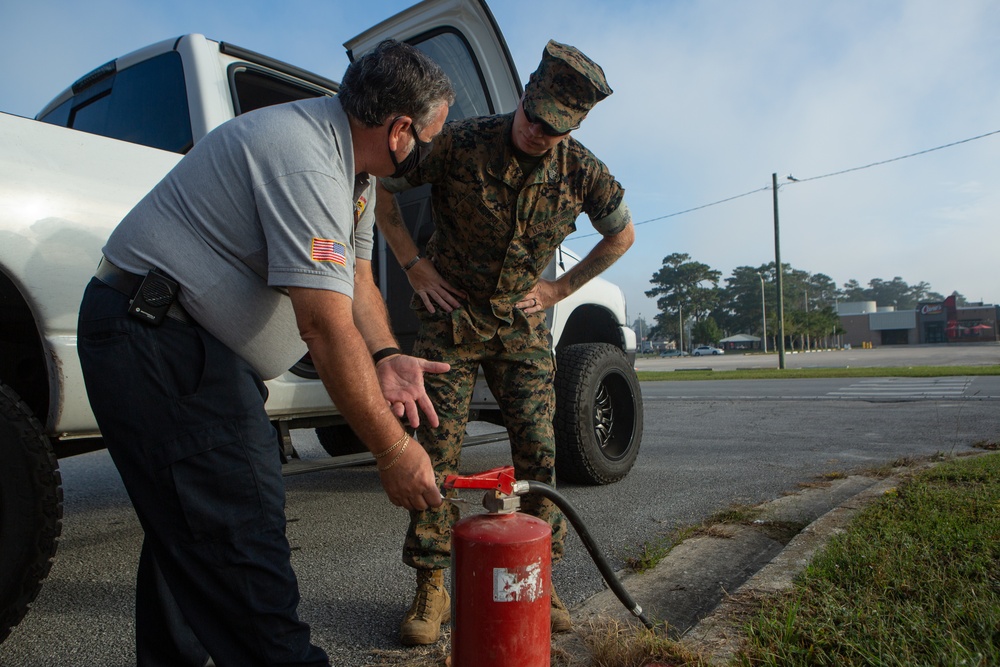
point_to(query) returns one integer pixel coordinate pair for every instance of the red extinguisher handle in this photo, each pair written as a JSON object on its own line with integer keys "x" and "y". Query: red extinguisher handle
{"x": 501, "y": 479}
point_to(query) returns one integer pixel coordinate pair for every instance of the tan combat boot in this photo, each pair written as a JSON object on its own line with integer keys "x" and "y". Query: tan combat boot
{"x": 431, "y": 607}
{"x": 558, "y": 614}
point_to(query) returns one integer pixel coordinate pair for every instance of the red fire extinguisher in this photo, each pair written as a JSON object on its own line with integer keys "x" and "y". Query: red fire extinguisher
{"x": 502, "y": 574}
{"x": 501, "y": 578}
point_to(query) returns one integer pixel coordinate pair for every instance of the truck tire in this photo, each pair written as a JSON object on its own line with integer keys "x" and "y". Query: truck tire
{"x": 30, "y": 508}
{"x": 340, "y": 440}
{"x": 598, "y": 421}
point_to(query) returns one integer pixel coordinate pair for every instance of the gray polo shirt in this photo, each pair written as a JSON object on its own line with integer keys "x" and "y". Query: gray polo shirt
{"x": 266, "y": 201}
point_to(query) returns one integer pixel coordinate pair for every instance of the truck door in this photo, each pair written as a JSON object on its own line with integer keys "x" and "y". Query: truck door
{"x": 462, "y": 36}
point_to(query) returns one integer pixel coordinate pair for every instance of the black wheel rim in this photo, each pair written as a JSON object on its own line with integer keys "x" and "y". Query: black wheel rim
{"x": 614, "y": 415}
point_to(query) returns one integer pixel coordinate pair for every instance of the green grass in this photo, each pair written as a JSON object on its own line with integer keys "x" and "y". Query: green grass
{"x": 915, "y": 580}
{"x": 736, "y": 513}
{"x": 793, "y": 373}
{"x": 649, "y": 555}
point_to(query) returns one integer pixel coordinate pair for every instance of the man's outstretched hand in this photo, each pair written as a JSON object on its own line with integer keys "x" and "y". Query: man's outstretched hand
{"x": 402, "y": 381}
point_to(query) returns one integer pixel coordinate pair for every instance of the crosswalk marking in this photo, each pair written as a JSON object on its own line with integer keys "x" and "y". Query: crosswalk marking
{"x": 906, "y": 387}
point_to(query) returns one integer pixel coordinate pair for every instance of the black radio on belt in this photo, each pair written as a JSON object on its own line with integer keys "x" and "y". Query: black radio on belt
{"x": 153, "y": 298}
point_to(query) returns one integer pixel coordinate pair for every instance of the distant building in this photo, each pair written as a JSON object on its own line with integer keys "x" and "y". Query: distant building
{"x": 930, "y": 322}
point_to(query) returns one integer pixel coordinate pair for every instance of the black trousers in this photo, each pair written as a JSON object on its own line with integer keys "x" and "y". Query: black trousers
{"x": 183, "y": 418}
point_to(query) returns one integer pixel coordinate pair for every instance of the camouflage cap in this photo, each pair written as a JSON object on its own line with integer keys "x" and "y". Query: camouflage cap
{"x": 566, "y": 85}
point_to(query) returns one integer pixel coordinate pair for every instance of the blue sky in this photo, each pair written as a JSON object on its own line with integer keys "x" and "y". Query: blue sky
{"x": 710, "y": 98}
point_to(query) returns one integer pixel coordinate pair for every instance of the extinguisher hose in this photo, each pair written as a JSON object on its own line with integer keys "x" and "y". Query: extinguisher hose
{"x": 595, "y": 552}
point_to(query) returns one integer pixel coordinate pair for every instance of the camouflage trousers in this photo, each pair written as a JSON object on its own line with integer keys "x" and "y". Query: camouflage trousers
{"x": 522, "y": 384}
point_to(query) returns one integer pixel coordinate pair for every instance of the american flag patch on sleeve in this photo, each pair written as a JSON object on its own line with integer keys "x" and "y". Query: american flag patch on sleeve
{"x": 328, "y": 250}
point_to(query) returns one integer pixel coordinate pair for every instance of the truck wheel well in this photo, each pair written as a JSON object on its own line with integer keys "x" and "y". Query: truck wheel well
{"x": 22, "y": 357}
{"x": 591, "y": 324}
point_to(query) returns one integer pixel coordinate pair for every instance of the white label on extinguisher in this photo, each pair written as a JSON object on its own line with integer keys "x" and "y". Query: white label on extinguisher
{"x": 518, "y": 584}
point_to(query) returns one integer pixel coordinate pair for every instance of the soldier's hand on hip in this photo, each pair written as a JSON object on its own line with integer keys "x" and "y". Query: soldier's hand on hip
{"x": 543, "y": 295}
{"x": 433, "y": 289}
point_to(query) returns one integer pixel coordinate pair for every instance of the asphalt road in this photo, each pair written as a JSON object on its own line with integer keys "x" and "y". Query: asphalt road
{"x": 700, "y": 454}
{"x": 978, "y": 354}
{"x": 874, "y": 389}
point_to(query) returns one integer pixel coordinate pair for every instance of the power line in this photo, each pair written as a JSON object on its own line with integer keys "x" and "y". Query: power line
{"x": 807, "y": 179}
{"x": 895, "y": 159}
{"x": 698, "y": 208}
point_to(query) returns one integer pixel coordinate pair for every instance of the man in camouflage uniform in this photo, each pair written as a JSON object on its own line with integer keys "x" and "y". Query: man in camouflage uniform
{"x": 507, "y": 190}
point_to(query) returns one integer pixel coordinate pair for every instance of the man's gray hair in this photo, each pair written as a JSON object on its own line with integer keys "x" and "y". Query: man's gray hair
{"x": 394, "y": 79}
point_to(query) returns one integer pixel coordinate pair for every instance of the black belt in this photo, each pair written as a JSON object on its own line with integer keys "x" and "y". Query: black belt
{"x": 127, "y": 283}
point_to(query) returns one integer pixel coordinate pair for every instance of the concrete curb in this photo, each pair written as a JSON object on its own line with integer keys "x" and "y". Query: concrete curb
{"x": 705, "y": 587}
{"x": 717, "y": 635}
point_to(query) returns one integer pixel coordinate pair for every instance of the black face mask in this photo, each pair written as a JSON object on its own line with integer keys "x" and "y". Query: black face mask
{"x": 421, "y": 149}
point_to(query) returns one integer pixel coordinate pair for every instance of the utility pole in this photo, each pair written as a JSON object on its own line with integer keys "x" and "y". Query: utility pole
{"x": 680, "y": 326}
{"x": 778, "y": 272}
{"x": 763, "y": 311}
{"x": 808, "y": 341}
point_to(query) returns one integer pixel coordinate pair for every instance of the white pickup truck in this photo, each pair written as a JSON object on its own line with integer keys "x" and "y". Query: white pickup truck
{"x": 69, "y": 175}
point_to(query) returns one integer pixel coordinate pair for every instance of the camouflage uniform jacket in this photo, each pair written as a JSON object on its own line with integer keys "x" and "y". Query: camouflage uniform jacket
{"x": 496, "y": 229}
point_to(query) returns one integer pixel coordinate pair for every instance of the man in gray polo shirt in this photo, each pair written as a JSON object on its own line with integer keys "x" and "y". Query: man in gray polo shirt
{"x": 266, "y": 229}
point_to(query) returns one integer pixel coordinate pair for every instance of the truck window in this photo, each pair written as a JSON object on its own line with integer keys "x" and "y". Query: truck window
{"x": 254, "y": 88}
{"x": 143, "y": 104}
{"x": 450, "y": 50}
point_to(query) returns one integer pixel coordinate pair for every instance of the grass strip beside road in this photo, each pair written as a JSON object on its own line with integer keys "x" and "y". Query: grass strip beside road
{"x": 800, "y": 373}
{"x": 914, "y": 580}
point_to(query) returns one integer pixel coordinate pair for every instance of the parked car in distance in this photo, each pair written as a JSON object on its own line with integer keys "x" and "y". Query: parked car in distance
{"x": 702, "y": 350}
{"x": 673, "y": 353}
